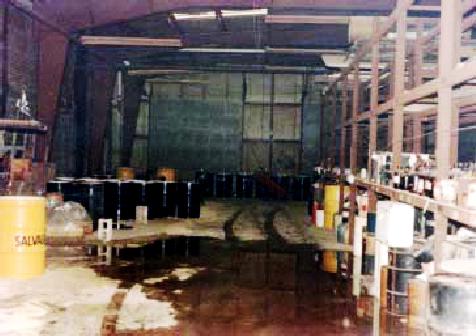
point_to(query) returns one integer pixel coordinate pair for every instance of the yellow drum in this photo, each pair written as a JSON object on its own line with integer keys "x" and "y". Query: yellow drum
{"x": 331, "y": 204}
{"x": 125, "y": 173}
{"x": 22, "y": 236}
{"x": 170, "y": 174}
{"x": 329, "y": 263}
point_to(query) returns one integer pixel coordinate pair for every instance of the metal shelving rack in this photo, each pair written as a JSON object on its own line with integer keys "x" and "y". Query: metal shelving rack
{"x": 450, "y": 79}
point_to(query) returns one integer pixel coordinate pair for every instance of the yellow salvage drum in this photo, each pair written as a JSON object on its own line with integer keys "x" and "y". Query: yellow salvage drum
{"x": 22, "y": 236}
{"x": 330, "y": 262}
{"x": 331, "y": 204}
{"x": 125, "y": 173}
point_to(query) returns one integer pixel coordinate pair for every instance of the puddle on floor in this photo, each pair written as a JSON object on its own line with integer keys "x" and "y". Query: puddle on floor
{"x": 232, "y": 288}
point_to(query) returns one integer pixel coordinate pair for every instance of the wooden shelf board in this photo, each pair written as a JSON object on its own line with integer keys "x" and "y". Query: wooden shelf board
{"x": 22, "y": 124}
{"x": 451, "y": 211}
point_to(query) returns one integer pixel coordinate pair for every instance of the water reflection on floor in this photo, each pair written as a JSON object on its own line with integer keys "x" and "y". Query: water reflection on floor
{"x": 229, "y": 288}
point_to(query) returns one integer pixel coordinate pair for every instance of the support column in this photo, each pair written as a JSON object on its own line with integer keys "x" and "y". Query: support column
{"x": 417, "y": 81}
{"x": 374, "y": 97}
{"x": 343, "y": 131}
{"x": 450, "y": 40}
{"x": 399, "y": 87}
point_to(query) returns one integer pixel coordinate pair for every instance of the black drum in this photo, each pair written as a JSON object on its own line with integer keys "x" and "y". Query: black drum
{"x": 224, "y": 185}
{"x": 402, "y": 267}
{"x": 111, "y": 199}
{"x": 188, "y": 200}
{"x": 206, "y": 181}
{"x": 263, "y": 187}
{"x": 131, "y": 196}
{"x": 397, "y": 279}
{"x": 244, "y": 185}
{"x": 62, "y": 187}
{"x": 169, "y": 200}
{"x": 403, "y": 259}
{"x": 154, "y": 199}
{"x": 91, "y": 197}
{"x": 301, "y": 187}
{"x": 283, "y": 186}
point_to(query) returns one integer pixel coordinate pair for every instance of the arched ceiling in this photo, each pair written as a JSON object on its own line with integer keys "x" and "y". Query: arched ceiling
{"x": 74, "y": 14}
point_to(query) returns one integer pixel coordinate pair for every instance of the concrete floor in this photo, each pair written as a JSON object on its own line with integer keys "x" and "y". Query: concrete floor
{"x": 187, "y": 286}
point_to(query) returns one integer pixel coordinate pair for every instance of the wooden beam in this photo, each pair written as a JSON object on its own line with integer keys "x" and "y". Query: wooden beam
{"x": 399, "y": 88}
{"x": 374, "y": 98}
{"x": 342, "y": 126}
{"x": 130, "y": 41}
{"x": 417, "y": 81}
{"x": 450, "y": 38}
{"x": 402, "y": 7}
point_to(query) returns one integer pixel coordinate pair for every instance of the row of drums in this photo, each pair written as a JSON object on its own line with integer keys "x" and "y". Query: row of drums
{"x": 118, "y": 199}
{"x": 248, "y": 185}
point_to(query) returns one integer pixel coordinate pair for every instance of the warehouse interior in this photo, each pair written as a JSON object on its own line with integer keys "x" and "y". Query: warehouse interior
{"x": 264, "y": 167}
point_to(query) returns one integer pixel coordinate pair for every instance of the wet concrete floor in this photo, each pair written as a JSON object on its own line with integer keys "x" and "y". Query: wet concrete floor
{"x": 235, "y": 288}
{"x": 185, "y": 286}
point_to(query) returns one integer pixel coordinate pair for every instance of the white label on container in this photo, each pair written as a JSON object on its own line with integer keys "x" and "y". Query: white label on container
{"x": 320, "y": 218}
{"x": 396, "y": 179}
{"x": 421, "y": 186}
{"x": 427, "y": 185}
{"x": 415, "y": 183}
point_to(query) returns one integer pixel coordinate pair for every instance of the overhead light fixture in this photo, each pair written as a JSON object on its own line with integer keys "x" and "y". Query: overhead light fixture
{"x": 211, "y": 15}
{"x": 245, "y": 12}
{"x": 208, "y": 15}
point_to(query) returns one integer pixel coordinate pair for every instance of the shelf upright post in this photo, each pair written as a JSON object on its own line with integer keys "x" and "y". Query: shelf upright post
{"x": 399, "y": 87}
{"x": 417, "y": 81}
{"x": 450, "y": 39}
{"x": 343, "y": 134}
{"x": 374, "y": 95}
